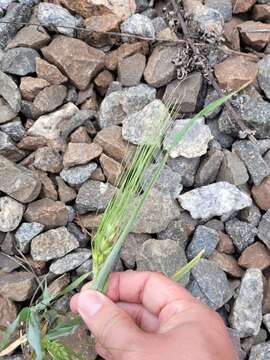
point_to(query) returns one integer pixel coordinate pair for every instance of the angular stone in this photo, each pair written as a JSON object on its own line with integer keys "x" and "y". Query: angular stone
{"x": 76, "y": 59}
{"x": 30, "y": 36}
{"x": 250, "y": 155}
{"x": 131, "y": 248}
{"x": 214, "y": 200}
{"x": 9, "y": 149}
{"x": 225, "y": 244}
{"x": 261, "y": 12}
{"x": 160, "y": 69}
{"x": 51, "y": 214}
{"x": 10, "y": 92}
{"x": 17, "y": 286}
{"x": 117, "y": 105}
{"x": 53, "y": 244}
{"x": 209, "y": 167}
{"x": 25, "y": 233}
{"x": 264, "y": 75}
{"x": 209, "y": 21}
{"x": 223, "y": 6}
{"x": 48, "y": 189}
{"x": 8, "y": 312}
{"x": 231, "y": 33}
{"x": 94, "y": 196}
{"x": 7, "y": 264}
{"x": 14, "y": 129}
{"x": 135, "y": 62}
{"x": 232, "y": 169}
{"x": 53, "y": 16}
{"x": 86, "y": 8}
{"x": 32, "y": 143}
{"x": 205, "y": 239}
{"x": 49, "y": 99}
{"x": 246, "y": 315}
{"x": 164, "y": 256}
{"x": 255, "y": 256}
{"x": 257, "y": 40}
{"x": 251, "y": 215}
{"x": 241, "y": 233}
{"x": 6, "y": 113}
{"x": 138, "y": 25}
{"x": 70, "y": 261}
{"x": 66, "y": 193}
{"x": 81, "y": 153}
{"x": 11, "y": 213}
{"x": 48, "y": 159}
{"x": 20, "y": 61}
{"x": 260, "y": 351}
{"x": 49, "y": 72}
{"x": 103, "y": 81}
{"x": 59, "y": 284}
{"x": 187, "y": 168}
{"x": 156, "y": 214}
{"x": 227, "y": 263}
{"x": 49, "y": 126}
{"x": 194, "y": 144}
{"x": 144, "y": 127}
{"x": 80, "y": 135}
{"x": 111, "y": 169}
{"x": 213, "y": 283}
{"x": 18, "y": 182}
{"x": 241, "y": 6}
{"x": 264, "y": 229}
{"x": 78, "y": 174}
{"x": 235, "y": 72}
{"x": 184, "y": 93}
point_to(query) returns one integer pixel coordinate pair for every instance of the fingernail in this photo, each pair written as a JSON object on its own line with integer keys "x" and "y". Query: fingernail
{"x": 89, "y": 303}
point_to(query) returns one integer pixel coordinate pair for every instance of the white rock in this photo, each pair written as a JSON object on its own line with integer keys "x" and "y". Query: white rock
{"x": 11, "y": 212}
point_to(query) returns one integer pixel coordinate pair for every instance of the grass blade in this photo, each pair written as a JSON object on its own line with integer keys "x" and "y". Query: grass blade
{"x": 187, "y": 268}
{"x": 34, "y": 335}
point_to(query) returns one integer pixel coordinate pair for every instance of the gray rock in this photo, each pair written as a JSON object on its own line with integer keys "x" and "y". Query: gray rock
{"x": 118, "y": 104}
{"x": 263, "y": 145}
{"x": 48, "y": 99}
{"x": 212, "y": 283}
{"x": 214, "y": 200}
{"x": 7, "y": 245}
{"x": 20, "y": 61}
{"x": 233, "y": 169}
{"x": 14, "y": 129}
{"x": 211, "y": 97}
{"x": 11, "y": 213}
{"x": 77, "y": 175}
{"x": 70, "y": 261}
{"x": 251, "y": 215}
{"x": 142, "y": 5}
{"x": 146, "y": 126}
{"x": 241, "y": 233}
{"x": 264, "y": 75}
{"x": 18, "y": 182}
{"x": 222, "y": 6}
{"x": 82, "y": 237}
{"x": 168, "y": 180}
{"x": 48, "y": 159}
{"x": 246, "y": 315}
{"x": 266, "y": 321}
{"x": 53, "y": 244}
{"x": 158, "y": 211}
{"x": 8, "y": 148}
{"x": 250, "y": 154}
{"x": 195, "y": 142}
{"x": 94, "y": 196}
{"x": 5, "y": 3}
{"x": 25, "y": 233}
{"x": 159, "y": 24}
{"x": 9, "y": 90}
{"x": 7, "y": 264}
{"x": 208, "y": 20}
{"x": 6, "y": 113}
{"x": 251, "y": 341}
{"x": 223, "y": 139}
{"x": 26, "y": 109}
{"x": 179, "y": 230}
{"x": 17, "y": 286}
{"x": 264, "y": 229}
{"x": 86, "y": 267}
{"x": 187, "y": 168}
{"x": 205, "y": 239}
{"x": 53, "y": 16}
{"x": 165, "y": 256}
{"x": 81, "y": 117}
{"x": 209, "y": 167}
{"x": 260, "y": 352}
{"x": 131, "y": 247}
{"x": 138, "y": 25}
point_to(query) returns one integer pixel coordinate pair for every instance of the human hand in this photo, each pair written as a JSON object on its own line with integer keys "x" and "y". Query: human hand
{"x": 146, "y": 316}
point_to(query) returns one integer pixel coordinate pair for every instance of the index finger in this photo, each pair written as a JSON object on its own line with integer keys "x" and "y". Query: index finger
{"x": 153, "y": 290}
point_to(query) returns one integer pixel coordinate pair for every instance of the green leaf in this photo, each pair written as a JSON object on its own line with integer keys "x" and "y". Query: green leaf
{"x": 64, "y": 328}
{"x": 56, "y": 350}
{"x": 74, "y": 284}
{"x": 187, "y": 268}
{"x": 34, "y": 335}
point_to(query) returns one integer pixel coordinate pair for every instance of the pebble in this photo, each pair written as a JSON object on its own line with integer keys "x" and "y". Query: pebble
{"x": 223, "y": 6}
{"x": 208, "y": 20}
{"x": 49, "y": 99}
{"x": 205, "y": 239}
{"x": 255, "y": 256}
{"x": 53, "y": 244}
{"x": 78, "y": 175}
{"x": 49, "y": 72}
{"x": 51, "y": 214}
{"x": 146, "y": 126}
{"x": 257, "y": 40}
{"x": 225, "y": 244}
{"x": 66, "y": 193}
{"x": 48, "y": 159}
{"x": 135, "y": 62}
{"x": 250, "y": 155}
{"x": 264, "y": 75}
{"x": 6, "y": 113}
{"x": 8, "y": 148}
{"x": 81, "y": 235}
{"x": 7, "y": 264}
{"x": 8, "y": 312}
{"x": 131, "y": 248}
{"x": 93, "y": 196}
{"x": 241, "y": 233}
{"x": 164, "y": 256}
{"x": 53, "y": 16}
{"x": 140, "y": 25}
{"x": 80, "y": 153}
{"x": 17, "y": 286}
{"x": 241, "y": 6}
{"x": 111, "y": 169}
{"x": 11, "y": 213}
{"x": 227, "y": 263}
{"x": 19, "y": 61}
{"x": 264, "y": 229}
{"x": 209, "y": 167}
{"x": 251, "y": 215}
{"x": 261, "y": 194}
{"x": 25, "y": 233}
{"x": 213, "y": 284}
{"x": 70, "y": 261}
{"x": 233, "y": 169}
{"x": 10, "y": 92}
{"x": 195, "y": 142}
{"x": 30, "y": 36}
{"x": 261, "y": 12}
{"x": 214, "y": 200}
{"x": 246, "y": 315}
{"x": 260, "y": 351}
{"x": 187, "y": 168}
{"x": 14, "y": 129}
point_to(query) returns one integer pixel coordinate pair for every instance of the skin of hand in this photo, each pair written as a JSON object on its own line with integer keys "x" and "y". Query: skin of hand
{"x": 146, "y": 316}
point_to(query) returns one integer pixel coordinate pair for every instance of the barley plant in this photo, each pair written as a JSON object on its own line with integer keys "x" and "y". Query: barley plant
{"x": 39, "y": 325}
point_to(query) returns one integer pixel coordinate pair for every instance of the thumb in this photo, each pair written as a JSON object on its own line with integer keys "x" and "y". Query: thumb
{"x": 112, "y": 326}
